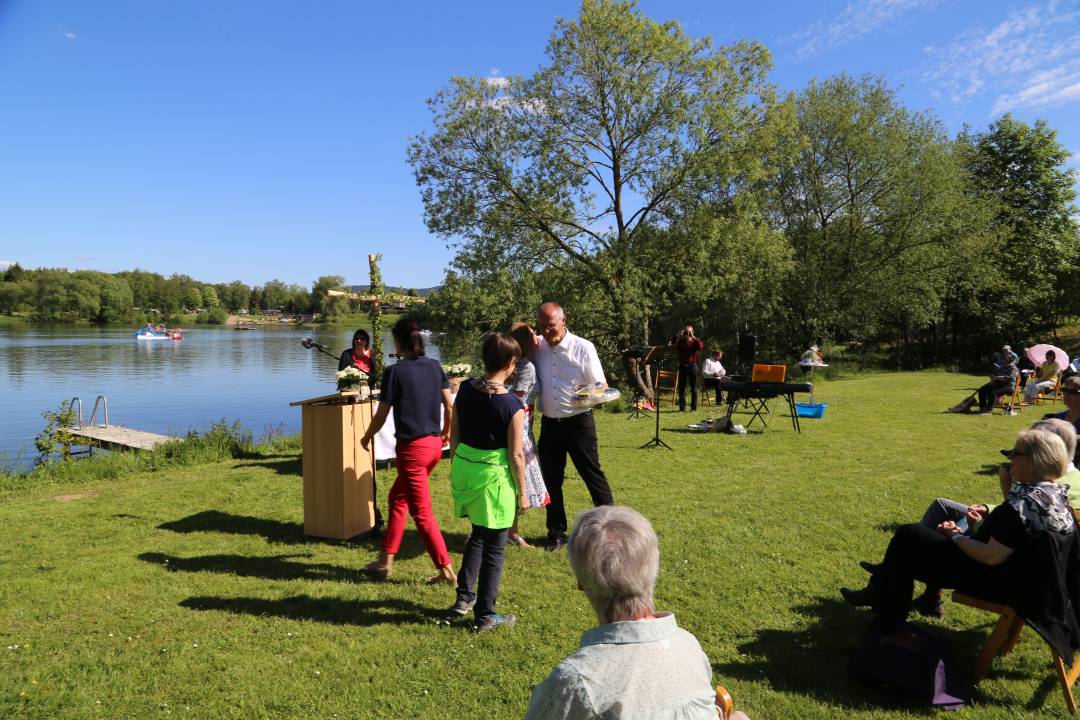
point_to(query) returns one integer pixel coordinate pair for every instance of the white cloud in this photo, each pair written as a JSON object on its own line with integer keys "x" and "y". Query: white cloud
{"x": 500, "y": 82}
{"x": 1029, "y": 60}
{"x": 5, "y": 264}
{"x": 71, "y": 36}
{"x": 857, "y": 19}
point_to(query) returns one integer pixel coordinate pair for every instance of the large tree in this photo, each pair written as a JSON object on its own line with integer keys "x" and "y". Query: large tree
{"x": 875, "y": 204}
{"x": 568, "y": 168}
{"x": 1021, "y": 169}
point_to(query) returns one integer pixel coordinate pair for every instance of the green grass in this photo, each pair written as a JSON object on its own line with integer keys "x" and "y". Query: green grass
{"x": 192, "y": 592}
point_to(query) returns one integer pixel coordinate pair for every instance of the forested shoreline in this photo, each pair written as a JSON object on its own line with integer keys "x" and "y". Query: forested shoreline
{"x": 59, "y": 295}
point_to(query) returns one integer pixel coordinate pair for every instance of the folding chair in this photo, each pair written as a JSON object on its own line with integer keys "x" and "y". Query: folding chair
{"x": 1015, "y": 398}
{"x": 1003, "y": 639}
{"x": 667, "y": 381}
{"x": 1050, "y": 396}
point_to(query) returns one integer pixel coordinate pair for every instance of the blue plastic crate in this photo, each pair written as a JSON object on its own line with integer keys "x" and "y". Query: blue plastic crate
{"x": 810, "y": 410}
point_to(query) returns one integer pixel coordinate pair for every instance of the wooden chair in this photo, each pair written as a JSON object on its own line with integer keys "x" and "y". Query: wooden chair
{"x": 724, "y": 703}
{"x": 1015, "y": 398}
{"x": 1003, "y": 639}
{"x": 1051, "y": 396}
{"x": 667, "y": 381}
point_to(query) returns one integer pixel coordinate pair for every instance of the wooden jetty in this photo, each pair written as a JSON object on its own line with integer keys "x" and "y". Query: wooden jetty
{"x": 108, "y": 436}
{"x": 116, "y": 437}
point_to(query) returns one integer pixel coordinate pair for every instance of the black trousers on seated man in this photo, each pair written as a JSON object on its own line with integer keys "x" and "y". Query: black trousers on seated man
{"x": 574, "y": 436}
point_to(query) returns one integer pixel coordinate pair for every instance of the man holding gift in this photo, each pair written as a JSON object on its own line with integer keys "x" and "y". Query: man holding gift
{"x": 563, "y": 362}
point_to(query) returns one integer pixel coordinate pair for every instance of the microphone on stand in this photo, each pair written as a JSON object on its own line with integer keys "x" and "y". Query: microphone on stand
{"x": 309, "y": 344}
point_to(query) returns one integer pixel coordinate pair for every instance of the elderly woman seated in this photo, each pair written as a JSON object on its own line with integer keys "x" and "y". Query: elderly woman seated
{"x": 637, "y": 663}
{"x": 968, "y": 518}
{"x": 1002, "y": 560}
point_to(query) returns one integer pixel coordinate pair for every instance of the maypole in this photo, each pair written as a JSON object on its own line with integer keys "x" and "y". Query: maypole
{"x": 376, "y": 289}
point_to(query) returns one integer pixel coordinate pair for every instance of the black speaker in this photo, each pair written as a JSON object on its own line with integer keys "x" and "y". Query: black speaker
{"x": 747, "y": 350}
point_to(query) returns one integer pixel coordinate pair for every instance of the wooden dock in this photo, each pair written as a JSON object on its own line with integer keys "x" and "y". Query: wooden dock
{"x": 116, "y": 437}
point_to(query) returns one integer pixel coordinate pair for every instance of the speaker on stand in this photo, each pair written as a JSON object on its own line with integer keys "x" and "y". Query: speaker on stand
{"x": 747, "y": 354}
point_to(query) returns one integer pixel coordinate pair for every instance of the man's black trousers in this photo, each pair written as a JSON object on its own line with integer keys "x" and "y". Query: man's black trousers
{"x": 574, "y": 436}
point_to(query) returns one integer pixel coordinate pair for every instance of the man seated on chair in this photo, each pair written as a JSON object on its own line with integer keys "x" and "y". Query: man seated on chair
{"x": 712, "y": 371}
{"x": 1045, "y": 380}
{"x": 638, "y": 663}
{"x": 1002, "y": 380}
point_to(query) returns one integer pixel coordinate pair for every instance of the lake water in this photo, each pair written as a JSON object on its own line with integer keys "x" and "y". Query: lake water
{"x": 163, "y": 386}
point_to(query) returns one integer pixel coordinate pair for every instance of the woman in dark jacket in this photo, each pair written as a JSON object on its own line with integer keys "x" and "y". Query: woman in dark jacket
{"x": 993, "y": 564}
{"x": 359, "y": 356}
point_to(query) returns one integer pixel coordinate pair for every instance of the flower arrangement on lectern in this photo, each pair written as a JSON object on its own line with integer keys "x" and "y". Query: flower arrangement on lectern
{"x": 351, "y": 379}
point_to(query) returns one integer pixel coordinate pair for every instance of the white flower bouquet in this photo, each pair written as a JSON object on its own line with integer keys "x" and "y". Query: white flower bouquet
{"x": 350, "y": 378}
{"x": 457, "y": 370}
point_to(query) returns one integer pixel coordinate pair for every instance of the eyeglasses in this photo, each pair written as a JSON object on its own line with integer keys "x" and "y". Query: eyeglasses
{"x": 1013, "y": 453}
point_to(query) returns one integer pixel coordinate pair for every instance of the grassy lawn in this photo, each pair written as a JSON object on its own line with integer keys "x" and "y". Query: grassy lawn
{"x": 193, "y": 592}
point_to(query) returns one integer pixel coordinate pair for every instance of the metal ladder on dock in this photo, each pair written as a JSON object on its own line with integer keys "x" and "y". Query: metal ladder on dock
{"x": 111, "y": 437}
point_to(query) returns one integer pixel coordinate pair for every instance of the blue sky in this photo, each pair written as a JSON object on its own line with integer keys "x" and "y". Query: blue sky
{"x": 264, "y": 139}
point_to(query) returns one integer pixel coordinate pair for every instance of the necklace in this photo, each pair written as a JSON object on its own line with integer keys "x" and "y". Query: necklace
{"x": 491, "y": 387}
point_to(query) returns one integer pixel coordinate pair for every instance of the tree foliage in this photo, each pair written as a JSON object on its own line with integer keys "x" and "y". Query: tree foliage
{"x": 566, "y": 169}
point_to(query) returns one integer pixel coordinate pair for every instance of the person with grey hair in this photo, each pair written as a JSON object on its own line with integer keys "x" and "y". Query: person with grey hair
{"x": 565, "y": 361}
{"x": 968, "y": 518}
{"x": 994, "y": 560}
{"x": 638, "y": 663}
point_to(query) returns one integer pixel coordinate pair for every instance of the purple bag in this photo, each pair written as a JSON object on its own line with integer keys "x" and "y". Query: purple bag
{"x": 913, "y": 662}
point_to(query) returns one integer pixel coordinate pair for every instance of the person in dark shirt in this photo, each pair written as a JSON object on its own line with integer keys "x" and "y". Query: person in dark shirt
{"x": 359, "y": 356}
{"x": 419, "y": 392}
{"x": 985, "y": 564}
{"x": 487, "y": 478}
{"x": 689, "y": 349}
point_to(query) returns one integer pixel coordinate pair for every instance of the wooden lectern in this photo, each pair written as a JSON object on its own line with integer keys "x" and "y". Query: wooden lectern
{"x": 339, "y": 475}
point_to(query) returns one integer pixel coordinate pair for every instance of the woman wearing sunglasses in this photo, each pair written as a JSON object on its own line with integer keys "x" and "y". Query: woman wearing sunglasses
{"x": 1002, "y": 560}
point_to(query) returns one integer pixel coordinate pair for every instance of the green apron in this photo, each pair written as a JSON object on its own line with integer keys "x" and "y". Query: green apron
{"x": 483, "y": 487}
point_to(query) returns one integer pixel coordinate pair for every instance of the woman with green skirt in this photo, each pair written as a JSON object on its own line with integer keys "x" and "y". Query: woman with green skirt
{"x": 487, "y": 478}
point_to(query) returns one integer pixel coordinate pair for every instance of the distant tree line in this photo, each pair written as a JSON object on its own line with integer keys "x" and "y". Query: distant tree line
{"x": 645, "y": 179}
{"x": 57, "y": 295}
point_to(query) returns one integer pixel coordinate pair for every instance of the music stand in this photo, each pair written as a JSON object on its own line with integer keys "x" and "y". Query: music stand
{"x": 657, "y": 355}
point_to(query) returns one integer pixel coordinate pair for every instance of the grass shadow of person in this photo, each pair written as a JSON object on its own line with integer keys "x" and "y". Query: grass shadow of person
{"x": 287, "y": 466}
{"x": 274, "y": 567}
{"x": 814, "y": 660}
{"x": 334, "y": 611}
{"x": 280, "y": 532}
{"x": 273, "y": 531}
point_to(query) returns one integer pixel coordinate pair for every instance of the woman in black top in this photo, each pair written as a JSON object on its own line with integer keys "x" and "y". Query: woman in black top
{"x": 359, "y": 356}
{"x": 419, "y": 393}
{"x": 487, "y": 478}
{"x": 991, "y": 562}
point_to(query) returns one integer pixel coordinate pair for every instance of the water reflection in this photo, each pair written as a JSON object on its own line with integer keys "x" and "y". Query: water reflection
{"x": 165, "y": 386}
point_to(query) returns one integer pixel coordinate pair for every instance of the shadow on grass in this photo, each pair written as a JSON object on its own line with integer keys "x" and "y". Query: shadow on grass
{"x": 814, "y": 660}
{"x": 325, "y": 610}
{"x": 275, "y": 531}
{"x": 288, "y": 533}
{"x": 274, "y": 567}
{"x": 989, "y": 469}
{"x": 288, "y": 466}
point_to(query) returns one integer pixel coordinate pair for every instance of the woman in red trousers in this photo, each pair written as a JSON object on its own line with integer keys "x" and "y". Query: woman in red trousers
{"x": 419, "y": 393}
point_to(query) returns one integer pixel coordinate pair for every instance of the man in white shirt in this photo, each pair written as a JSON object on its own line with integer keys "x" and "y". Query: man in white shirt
{"x": 563, "y": 361}
{"x": 713, "y": 371}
